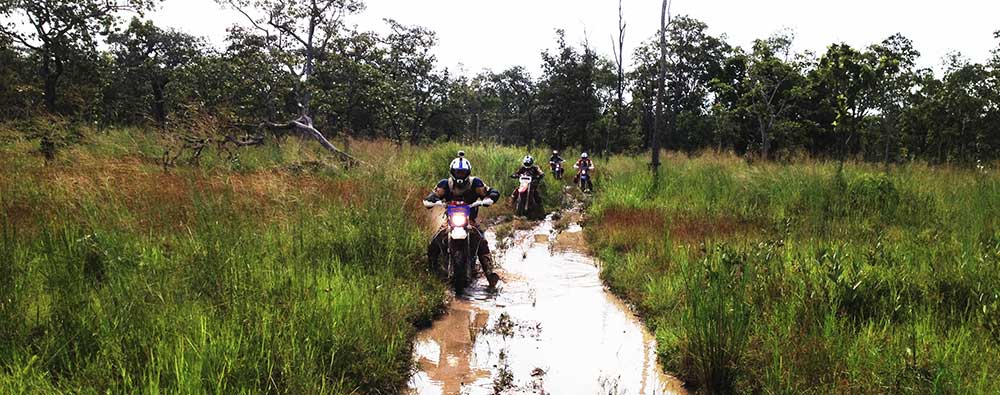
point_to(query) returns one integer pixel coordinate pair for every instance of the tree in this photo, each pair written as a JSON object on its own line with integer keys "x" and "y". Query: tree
{"x": 417, "y": 89}
{"x": 964, "y": 98}
{"x": 894, "y": 79}
{"x": 153, "y": 55}
{"x": 848, "y": 78}
{"x": 16, "y": 92}
{"x": 568, "y": 95}
{"x": 354, "y": 84}
{"x": 695, "y": 60}
{"x": 299, "y": 32}
{"x": 55, "y": 30}
{"x": 773, "y": 84}
{"x": 257, "y": 86}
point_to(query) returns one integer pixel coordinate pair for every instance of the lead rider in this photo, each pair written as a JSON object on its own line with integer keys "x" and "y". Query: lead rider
{"x": 463, "y": 187}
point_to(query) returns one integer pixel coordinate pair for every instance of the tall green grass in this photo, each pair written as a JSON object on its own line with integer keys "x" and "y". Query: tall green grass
{"x": 229, "y": 277}
{"x": 273, "y": 271}
{"x": 809, "y": 278}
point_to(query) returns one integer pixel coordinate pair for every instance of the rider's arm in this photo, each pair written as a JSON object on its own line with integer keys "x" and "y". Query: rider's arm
{"x": 486, "y": 193}
{"x": 437, "y": 194}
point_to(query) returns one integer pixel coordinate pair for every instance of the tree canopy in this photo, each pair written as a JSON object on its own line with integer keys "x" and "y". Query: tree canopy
{"x": 297, "y": 60}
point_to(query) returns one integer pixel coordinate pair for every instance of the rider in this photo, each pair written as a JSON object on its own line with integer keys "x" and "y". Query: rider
{"x": 529, "y": 168}
{"x": 461, "y": 186}
{"x": 583, "y": 163}
{"x": 555, "y": 159}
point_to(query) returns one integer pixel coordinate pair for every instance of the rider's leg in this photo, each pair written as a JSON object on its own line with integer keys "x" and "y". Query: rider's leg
{"x": 486, "y": 259}
{"x": 434, "y": 248}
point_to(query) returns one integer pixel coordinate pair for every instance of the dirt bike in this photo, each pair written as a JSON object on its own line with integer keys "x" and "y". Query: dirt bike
{"x": 586, "y": 185}
{"x": 523, "y": 199}
{"x": 460, "y": 250}
{"x": 557, "y": 169}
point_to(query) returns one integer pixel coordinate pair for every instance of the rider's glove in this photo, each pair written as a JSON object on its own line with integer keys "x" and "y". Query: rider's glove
{"x": 486, "y": 202}
{"x": 430, "y": 204}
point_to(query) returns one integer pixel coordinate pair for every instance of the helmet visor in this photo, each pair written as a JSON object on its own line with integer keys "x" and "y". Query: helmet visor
{"x": 460, "y": 173}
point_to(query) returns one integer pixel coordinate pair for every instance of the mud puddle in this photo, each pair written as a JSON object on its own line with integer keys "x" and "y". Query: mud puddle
{"x": 551, "y": 328}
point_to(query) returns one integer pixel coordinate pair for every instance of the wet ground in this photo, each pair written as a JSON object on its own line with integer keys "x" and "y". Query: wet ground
{"x": 550, "y": 328}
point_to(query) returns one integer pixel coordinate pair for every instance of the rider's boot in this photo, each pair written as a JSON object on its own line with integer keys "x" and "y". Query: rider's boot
{"x": 486, "y": 263}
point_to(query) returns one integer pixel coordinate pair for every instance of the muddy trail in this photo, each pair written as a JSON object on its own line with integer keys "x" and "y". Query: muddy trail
{"x": 549, "y": 328}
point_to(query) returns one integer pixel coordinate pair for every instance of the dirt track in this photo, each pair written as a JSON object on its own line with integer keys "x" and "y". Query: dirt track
{"x": 550, "y": 328}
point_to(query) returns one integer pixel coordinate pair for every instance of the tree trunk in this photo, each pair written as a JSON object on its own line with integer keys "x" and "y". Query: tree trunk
{"x": 51, "y": 71}
{"x": 159, "y": 104}
{"x": 890, "y": 133}
{"x": 765, "y": 142}
{"x": 619, "y": 117}
{"x": 661, "y": 91}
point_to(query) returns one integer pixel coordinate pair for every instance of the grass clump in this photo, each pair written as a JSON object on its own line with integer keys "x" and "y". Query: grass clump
{"x": 808, "y": 278}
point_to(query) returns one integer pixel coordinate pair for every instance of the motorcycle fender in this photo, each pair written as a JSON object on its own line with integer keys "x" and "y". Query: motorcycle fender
{"x": 459, "y": 234}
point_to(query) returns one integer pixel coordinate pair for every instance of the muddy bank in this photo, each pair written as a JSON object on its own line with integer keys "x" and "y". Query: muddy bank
{"x": 550, "y": 328}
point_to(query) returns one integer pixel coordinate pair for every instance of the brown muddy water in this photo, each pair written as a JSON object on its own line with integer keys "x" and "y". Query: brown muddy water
{"x": 550, "y": 328}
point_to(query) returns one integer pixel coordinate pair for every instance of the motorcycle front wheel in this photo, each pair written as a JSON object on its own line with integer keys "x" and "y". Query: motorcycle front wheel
{"x": 522, "y": 204}
{"x": 462, "y": 271}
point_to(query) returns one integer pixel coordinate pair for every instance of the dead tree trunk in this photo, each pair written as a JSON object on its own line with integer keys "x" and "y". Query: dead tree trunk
{"x": 619, "y": 60}
{"x": 658, "y": 122}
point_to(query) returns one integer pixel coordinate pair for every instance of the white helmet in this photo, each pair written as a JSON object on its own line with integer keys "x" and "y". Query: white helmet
{"x": 583, "y": 155}
{"x": 528, "y": 160}
{"x": 460, "y": 171}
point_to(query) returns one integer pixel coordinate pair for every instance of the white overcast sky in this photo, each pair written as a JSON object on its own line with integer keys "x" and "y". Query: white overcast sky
{"x": 481, "y": 34}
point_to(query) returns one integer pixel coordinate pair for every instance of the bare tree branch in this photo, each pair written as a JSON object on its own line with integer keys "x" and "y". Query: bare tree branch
{"x": 304, "y": 124}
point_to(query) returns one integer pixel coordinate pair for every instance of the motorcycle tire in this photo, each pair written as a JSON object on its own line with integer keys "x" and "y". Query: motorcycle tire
{"x": 462, "y": 271}
{"x": 522, "y": 205}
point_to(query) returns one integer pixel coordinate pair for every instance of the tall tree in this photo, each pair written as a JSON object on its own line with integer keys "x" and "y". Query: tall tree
{"x": 299, "y": 32}
{"x": 695, "y": 59}
{"x": 568, "y": 95}
{"x": 773, "y": 79}
{"x": 895, "y": 78}
{"x": 152, "y": 55}
{"x": 848, "y": 78}
{"x": 418, "y": 89}
{"x": 55, "y": 30}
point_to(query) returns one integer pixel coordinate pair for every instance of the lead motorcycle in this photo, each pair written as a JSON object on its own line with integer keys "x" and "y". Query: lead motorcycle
{"x": 459, "y": 250}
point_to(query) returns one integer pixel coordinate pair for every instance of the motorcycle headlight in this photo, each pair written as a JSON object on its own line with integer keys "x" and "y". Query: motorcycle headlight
{"x": 459, "y": 219}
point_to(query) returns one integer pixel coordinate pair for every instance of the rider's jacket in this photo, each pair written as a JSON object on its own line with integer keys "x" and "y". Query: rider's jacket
{"x": 533, "y": 171}
{"x": 468, "y": 195}
{"x": 556, "y": 159}
{"x": 584, "y": 164}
